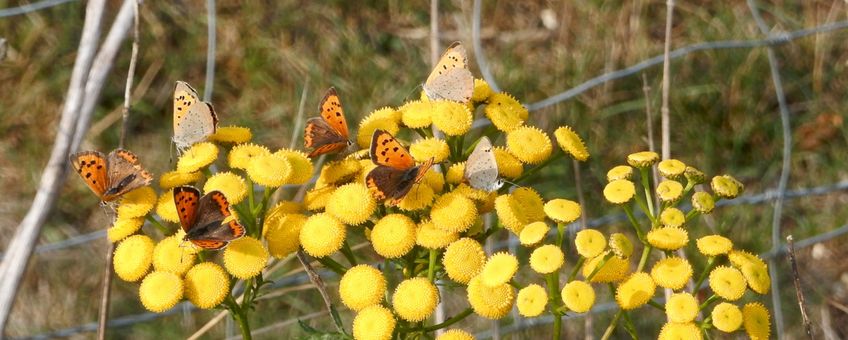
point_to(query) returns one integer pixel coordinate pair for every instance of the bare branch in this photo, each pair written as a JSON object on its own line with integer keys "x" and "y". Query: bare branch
{"x": 210, "y": 50}
{"x": 799, "y": 293}
{"x": 319, "y": 284}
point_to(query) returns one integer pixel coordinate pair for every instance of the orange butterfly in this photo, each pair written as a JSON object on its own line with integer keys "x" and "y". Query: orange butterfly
{"x": 396, "y": 172}
{"x": 110, "y": 176}
{"x": 328, "y": 133}
{"x": 202, "y": 218}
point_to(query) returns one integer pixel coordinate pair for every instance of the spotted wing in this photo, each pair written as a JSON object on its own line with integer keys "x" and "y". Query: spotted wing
{"x": 385, "y": 182}
{"x": 331, "y": 111}
{"x": 186, "y": 199}
{"x": 92, "y": 167}
{"x": 209, "y": 227}
{"x": 481, "y": 169}
{"x": 387, "y": 151}
{"x": 451, "y": 79}
{"x": 125, "y": 174}
{"x": 322, "y": 137}
{"x": 194, "y": 120}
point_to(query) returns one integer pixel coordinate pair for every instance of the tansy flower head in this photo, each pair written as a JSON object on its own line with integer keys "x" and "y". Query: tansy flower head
{"x": 508, "y": 166}
{"x": 456, "y": 173}
{"x": 453, "y": 212}
{"x": 417, "y": 114}
{"x": 532, "y": 300}
{"x": 667, "y": 238}
{"x": 590, "y": 243}
{"x": 620, "y": 245}
{"x": 714, "y": 245}
{"x": 322, "y": 235}
{"x": 123, "y": 227}
{"x": 619, "y": 172}
{"x": 169, "y": 256}
{"x": 680, "y": 331}
{"x": 197, "y": 157}
{"x": 465, "y": 190}
{"x": 230, "y": 184}
{"x": 726, "y": 317}
{"x": 362, "y": 286}
{"x": 703, "y": 202}
{"x": 338, "y": 172}
{"x": 463, "y": 260}
{"x": 533, "y": 233}
{"x": 571, "y": 143}
{"x": 505, "y": 112}
{"x": 383, "y": 119}
{"x": 635, "y": 291}
{"x": 160, "y": 291}
{"x": 301, "y": 165}
{"x": 547, "y": 259}
{"x": 375, "y": 322}
{"x": 490, "y": 302}
{"x": 694, "y": 175}
{"x": 757, "y": 277}
{"x": 499, "y": 269}
{"x": 269, "y": 170}
{"x": 756, "y": 319}
{"x": 510, "y": 214}
{"x": 245, "y": 257}
{"x": 672, "y": 217}
{"x": 434, "y": 148}
{"x": 282, "y": 208}
{"x": 681, "y": 307}
{"x": 133, "y": 257}
{"x": 206, "y": 285}
{"x": 671, "y": 168}
{"x": 231, "y": 134}
{"x": 578, "y": 296}
{"x": 613, "y": 270}
{"x": 452, "y": 118}
{"x": 435, "y": 180}
{"x": 172, "y": 179}
{"x": 740, "y": 257}
{"x": 393, "y": 236}
{"x": 562, "y": 210}
{"x": 240, "y": 156}
{"x": 529, "y": 144}
{"x": 482, "y": 91}
{"x": 532, "y": 205}
{"x": 669, "y": 191}
{"x": 283, "y": 234}
{"x": 415, "y": 299}
{"x": 430, "y": 237}
{"x": 418, "y": 198}
{"x": 642, "y": 159}
{"x": 351, "y": 204}
{"x": 671, "y": 272}
{"x": 619, "y": 191}
{"x": 137, "y": 203}
{"x": 455, "y": 334}
{"x": 317, "y": 198}
{"x": 728, "y": 283}
{"x": 725, "y": 186}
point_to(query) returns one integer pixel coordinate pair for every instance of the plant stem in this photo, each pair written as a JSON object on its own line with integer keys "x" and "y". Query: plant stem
{"x": 576, "y": 269}
{"x": 535, "y": 169}
{"x": 553, "y": 286}
{"x": 707, "y": 303}
{"x": 600, "y": 266}
{"x": 611, "y": 327}
{"x": 348, "y": 253}
{"x": 332, "y": 265}
{"x": 633, "y": 222}
{"x": 431, "y": 265}
{"x": 454, "y": 319}
{"x": 560, "y": 234}
{"x": 240, "y": 316}
{"x": 249, "y": 194}
{"x": 656, "y": 305}
{"x": 156, "y": 224}
{"x": 710, "y": 264}
{"x": 646, "y": 184}
{"x": 644, "y": 260}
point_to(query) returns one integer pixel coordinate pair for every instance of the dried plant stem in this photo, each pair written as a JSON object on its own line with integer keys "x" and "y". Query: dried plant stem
{"x": 666, "y": 83}
{"x": 319, "y": 285}
{"x": 799, "y": 293}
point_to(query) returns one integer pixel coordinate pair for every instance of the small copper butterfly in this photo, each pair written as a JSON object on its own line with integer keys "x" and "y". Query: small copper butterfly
{"x": 451, "y": 79}
{"x": 396, "y": 172}
{"x": 328, "y": 133}
{"x": 202, "y": 218}
{"x": 110, "y": 176}
{"x": 194, "y": 120}
{"x": 481, "y": 169}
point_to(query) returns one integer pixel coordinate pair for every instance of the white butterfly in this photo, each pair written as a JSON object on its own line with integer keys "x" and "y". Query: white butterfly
{"x": 451, "y": 79}
{"x": 481, "y": 169}
{"x": 194, "y": 120}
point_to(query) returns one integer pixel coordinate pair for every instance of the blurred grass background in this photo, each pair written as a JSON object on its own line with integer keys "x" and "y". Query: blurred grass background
{"x": 723, "y": 110}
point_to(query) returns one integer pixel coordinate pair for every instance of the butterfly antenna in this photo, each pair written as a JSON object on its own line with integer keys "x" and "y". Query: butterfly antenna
{"x": 414, "y": 89}
{"x": 171, "y": 146}
{"x": 511, "y": 183}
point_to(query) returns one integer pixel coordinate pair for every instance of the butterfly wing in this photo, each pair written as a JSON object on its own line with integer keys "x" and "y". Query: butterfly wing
{"x": 322, "y": 137}
{"x": 481, "y": 169}
{"x": 194, "y": 120}
{"x": 387, "y": 151}
{"x": 125, "y": 174}
{"x": 209, "y": 230}
{"x": 186, "y": 199}
{"x": 451, "y": 79}
{"x": 92, "y": 167}
{"x": 331, "y": 111}
{"x": 385, "y": 182}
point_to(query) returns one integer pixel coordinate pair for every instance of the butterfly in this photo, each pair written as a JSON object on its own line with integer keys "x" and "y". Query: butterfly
{"x": 328, "y": 133}
{"x": 481, "y": 169}
{"x": 110, "y": 176}
{"x": 396, "y": 172}
{"x": 202, "y": 218}
{"x": 194, "y": 120}
{"x": 451, "y": 79}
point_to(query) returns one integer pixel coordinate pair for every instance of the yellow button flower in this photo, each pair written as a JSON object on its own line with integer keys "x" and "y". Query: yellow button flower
{"x": 671, "y": 168}
{"x": 415, "y": 299}
{"x": 173, "y": 179}
{"x": 635, "y": 291}
{"x": 427, "y": 148}
{"x": 532, "y": 300}
{"x": 620, "y": 245}
{"x": 133, "y": 257}
{"x": 197, "y": 157}
{"x": 352, "y": 204}
{"x": 231, "y": 134}
{"x": 671, "y": 272}
{"x": 322, "y": 235}
{"x": 206, "y": 285}
{"x": 317, "y": 198}
{"x": 123, "y": 227}
{"x": 453, "y": 212}
{"x": 533, "y": 233}
{"x": 269, "y": 170}
{"x": 393, "y": 236}
{"x": 435, "y": 180}
{"x": 578, "y": 296}
{"x": 373, "y": 323}
{"x": 532, "y": 204}
{"x": 508, "y": 165}
{"x": 490, "y": 302}
{"x": 481, "y": 92}
{"x": 281, "y": 209}
{"x": 160, "y": 291}
{"x": 642, "y": 159}
{"x": 301, "y": 165}
{"x": 283, "y": 234}
{"x": 756, "y": 320}
{"x": 499, "y": 269}
{"x": 680, "y": 331}
{"x": 456, "y": 173}
{"x": 338, "y": 172}
{"x": 381, "y": 119}
{"x": 169, "y": 256}
{"x": 726, "y": 317}
{"x": 681, "y": 308}
{"x": 452, "y": 118}
{"x": 669, "y": 191}
{"x": 562, "y": 210}
{"x": 547, "y": 259}
{"x": 510, "y": 214}
{"x": 417, "y": 114}
{"x": 505, "y": 112}
{"x": 619, "y": 191}
{"x": 757, "y": 277}
{"x": 463, "y": 260}
{"x": 137, "y": 203}
{"x": 614, "y": 269}
{"x": 728, "y": 283}
{"x": 703, "y": 202}
{"x": 725, "y": 186}
{"x": 740, "y": 257}
{"x": 714, "y": 245}
{"x": 430, "y": 237}
{"x": 362, "y": 286}
{"x": 240, "y": 156}
{"x": 230, "y": 184}
{"x": 590, "y": 243}
{"x": 529, "y": 144}
{"x": 668, "y": 238}
{"x": 419, "y": 197}
{"x": 672, "y": 217}
{"x": 694, "y": 175}
{"x": 571, "y": 143}
{"x": 245, "y": 258}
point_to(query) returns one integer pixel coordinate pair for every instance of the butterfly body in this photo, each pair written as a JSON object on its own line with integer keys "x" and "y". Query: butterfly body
{"x": 110, "y": 176}
{"x": 194, "y": 120}
{"x": 451, "y": 79}
{"x": 203, "y": 218}
{"x": 327, "y": 133}
{"x": 481, "y": 168}
{"x": 396, "y": 172}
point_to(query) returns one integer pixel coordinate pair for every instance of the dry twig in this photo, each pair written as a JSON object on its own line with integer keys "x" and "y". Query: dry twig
{"x": 802, "y": 304}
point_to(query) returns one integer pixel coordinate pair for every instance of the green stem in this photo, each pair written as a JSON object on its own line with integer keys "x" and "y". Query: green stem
{"x": 332, "y": 265}
{"x": 348, "y": 253}
{"x": 600, "y": 266}
{"x": 634, "y": 222}
{"x": 646, "y": 184}
{"x": 431, "y": 265}
{"x": 553, "y": 287}
{"x": 707, "y": 303}
{"x": 691, "y": 214}
{"x": 576, "y": 269}
{"x": 611, "y": 327}
{"x": 156, "y": 224}
{"x": 560, "y": 234}
{"x": 628, "y": 325}
{"x": 710, "y": 264}
{"x": 535, "y": 169}
{"x": 239, "y": 315}
{"x": 644, "y": 260}
{"x": 454, "y": 319}
{"x": 249, "y": 194}
{"x": 656, "y": 305}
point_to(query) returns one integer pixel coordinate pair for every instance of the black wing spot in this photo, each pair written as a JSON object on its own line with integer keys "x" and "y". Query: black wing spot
{"x": 182, "y": 209}
{"x": 94, "y": 181}
{"x": 395, "y": 149}
{"x": 87, "y": 174}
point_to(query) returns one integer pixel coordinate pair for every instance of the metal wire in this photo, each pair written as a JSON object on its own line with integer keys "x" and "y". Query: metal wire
{"x": 8, "y": 12}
